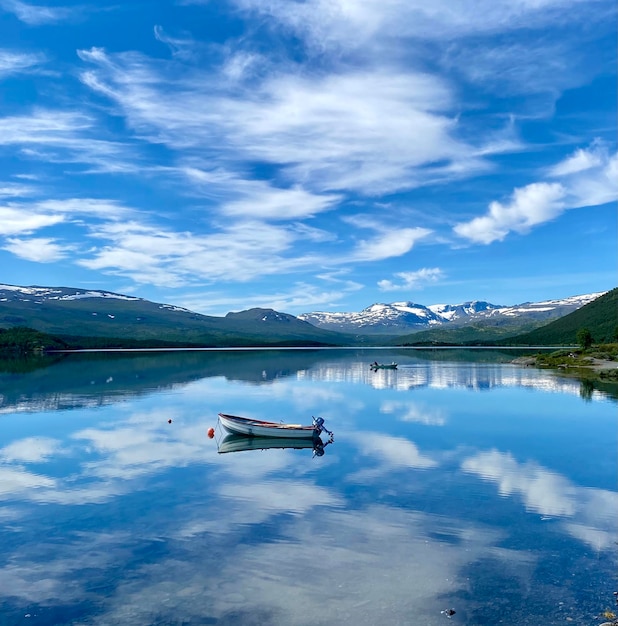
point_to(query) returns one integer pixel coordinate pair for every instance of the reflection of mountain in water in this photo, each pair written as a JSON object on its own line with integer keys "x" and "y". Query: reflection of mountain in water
{"x": 91, "y": 379}
{"x": 475, "y": 376}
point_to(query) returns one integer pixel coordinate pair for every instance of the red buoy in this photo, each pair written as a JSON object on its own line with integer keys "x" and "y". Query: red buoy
{"x": 211, "y": 433}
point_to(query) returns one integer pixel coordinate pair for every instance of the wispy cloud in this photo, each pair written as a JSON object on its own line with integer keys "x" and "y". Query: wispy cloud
{"x": 256, "y": 199}
{"x": 389, "y": 243}
{"x": 302, "y": 296}
{"x": 344, "y": 26}
{"x": 14, "y": 62}
{"x": 15, "y": 190}
{"x": 36, "y": 15}
{"x": 15, "y": 220}
{"x": 180, "y": 47}
{"x": 40, "y": 249}
{"x": 248, "y": 152}
{"x": 28, "y": 217}
{"x": 581, "y": 160}
{"x": 147, "y": 254}
{"x": 327, "y": 131}
{"x": 49, "y": 135}
{"x": 412, "y": 280}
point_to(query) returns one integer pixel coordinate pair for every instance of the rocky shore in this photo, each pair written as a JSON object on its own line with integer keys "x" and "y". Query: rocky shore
{"x": 575, "y": 363}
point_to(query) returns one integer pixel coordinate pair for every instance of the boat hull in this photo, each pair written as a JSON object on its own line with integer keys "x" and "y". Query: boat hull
{"x": 258, "y": 428}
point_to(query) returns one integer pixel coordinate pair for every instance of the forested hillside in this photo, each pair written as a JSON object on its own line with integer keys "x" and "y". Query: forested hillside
{"x": 600, "y": 317}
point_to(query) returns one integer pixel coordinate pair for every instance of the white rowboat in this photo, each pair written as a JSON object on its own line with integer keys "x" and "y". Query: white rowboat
{"x": 259, "y": 428}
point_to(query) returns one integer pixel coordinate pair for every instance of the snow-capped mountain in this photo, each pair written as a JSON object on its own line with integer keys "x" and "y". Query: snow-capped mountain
{"x": 13, "y": 293}
{"x": 72, "y": 312}
{"x": 399, "y": 317}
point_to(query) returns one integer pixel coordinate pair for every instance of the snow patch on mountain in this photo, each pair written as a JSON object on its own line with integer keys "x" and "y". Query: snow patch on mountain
{"x": 58, "y": 293}
{"x": 398, "y": 316}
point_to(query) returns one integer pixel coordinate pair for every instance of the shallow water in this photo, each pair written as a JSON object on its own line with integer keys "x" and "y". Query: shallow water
{"x": 456, "y": 481}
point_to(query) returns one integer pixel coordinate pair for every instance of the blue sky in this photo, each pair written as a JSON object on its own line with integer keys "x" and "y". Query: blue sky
{"x": 310, "y": 155}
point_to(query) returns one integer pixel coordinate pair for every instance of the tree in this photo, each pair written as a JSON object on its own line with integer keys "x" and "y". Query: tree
{"x": 584, "y": 338}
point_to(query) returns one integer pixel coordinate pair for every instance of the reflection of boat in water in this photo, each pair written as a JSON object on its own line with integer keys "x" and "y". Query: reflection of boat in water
{"x": 260, "y": 428}
{"x": 383, "y": 366}
{"x": 240, "y": 443}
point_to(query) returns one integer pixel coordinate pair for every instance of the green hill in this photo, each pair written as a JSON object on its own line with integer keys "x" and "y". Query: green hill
{"x": 599, "y": 316}
{"x": 481, "y": 332}
{"x": 78, "y": 317}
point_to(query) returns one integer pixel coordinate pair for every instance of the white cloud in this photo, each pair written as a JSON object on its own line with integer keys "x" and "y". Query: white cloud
{"x": 581, "y": 160}
{"x": 13, "y": 190}
{"x": 42, "y": 126}
{"x": 258, "y": 199}
{"x": 39, "y": 250}
{"x": 531, "y": 205}
{"x": 328, "y": 132}
{"x": 412, "y": 280}
{"x": 59, "y": 136}
{"x": 93, "y": 207}
{"x": 238, "y": 252}
{"x": 300, "y": 297}
{"x": 15, "y": 62}
{"x": 355, "y": 24}
{"x": 389, "y": 243}
{"x": 15, "y": 220}
{"x": 180, "y": 47}
{"x": 587, "y": 178}
{"x": 283, "y": 204}
{"x": 26, "y": 218}
{"x": 590, "y": 177}
{"x": 35, "y": 15}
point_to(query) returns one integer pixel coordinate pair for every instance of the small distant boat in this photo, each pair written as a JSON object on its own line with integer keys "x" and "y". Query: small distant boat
{"x": 259, "y": 428}
{"x": 383, "y": 366}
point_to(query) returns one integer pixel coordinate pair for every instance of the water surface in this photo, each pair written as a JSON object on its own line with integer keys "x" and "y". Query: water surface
{"x": 457, "y": 481}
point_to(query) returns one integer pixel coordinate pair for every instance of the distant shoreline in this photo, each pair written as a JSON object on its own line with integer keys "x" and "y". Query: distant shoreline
{"x": 271, "y": 348}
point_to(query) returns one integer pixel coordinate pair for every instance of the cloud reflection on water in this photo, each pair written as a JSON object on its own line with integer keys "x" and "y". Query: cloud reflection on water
{"x": 166, "y": 529}
{"x": 30, "y": 450}
{"x": 593, "y": 510}
{"x": 415, "y": 412}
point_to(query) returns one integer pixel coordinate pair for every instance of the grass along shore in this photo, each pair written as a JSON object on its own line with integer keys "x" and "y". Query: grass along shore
{"x": 599, "y": 361}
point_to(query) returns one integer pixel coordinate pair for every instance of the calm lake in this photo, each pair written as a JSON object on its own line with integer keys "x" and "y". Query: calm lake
{"x": 458, "y": 481}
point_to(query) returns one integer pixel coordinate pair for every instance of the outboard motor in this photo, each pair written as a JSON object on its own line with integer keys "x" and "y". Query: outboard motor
{"x": 318, "y": 425}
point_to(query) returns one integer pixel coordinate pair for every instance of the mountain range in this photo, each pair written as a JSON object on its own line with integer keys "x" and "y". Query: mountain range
{"x": 406, "y": 317}
{"x": 72, "y": 313}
